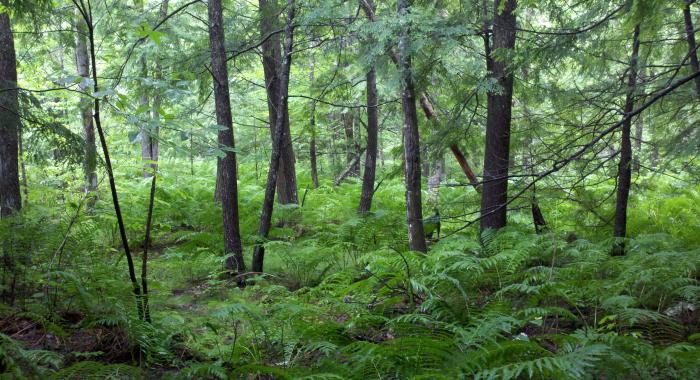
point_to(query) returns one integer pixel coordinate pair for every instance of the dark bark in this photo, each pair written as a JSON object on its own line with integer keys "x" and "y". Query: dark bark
{"x": 411, "y": 140}
{"x": 497, "y": 150}
{"x": 286, "y": 178}
{"x": 624, "y": 175}
{"x": 228, "y": 171}
{"x": 87, "y": 17}
{"x": 281, "y": 106}
{"x": 537, "y": 217}
{"x": 371, "y": 155}
{"x": 692, "y": 47}
{"x": 83, "y": 67}
{"x": 146, "y": 244}
{"x": 10, "y": 198}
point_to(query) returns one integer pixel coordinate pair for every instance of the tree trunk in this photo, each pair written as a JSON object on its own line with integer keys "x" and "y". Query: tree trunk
{"x": 411, "y": 141}
{"x": 497, "y": 150}
{"x": 462, "y": 160}
{"x": 350, "y": 146}
{"x": 10, "y": 199}
{"x": 638, "y": 133}
{"x": 371, "y": 155}
{"x": 83, "y": 67}
{"x": 281, "y": 106}
{"x": 312, "y": 125}
{"x": 86, "y": 13}
{"x": 228, "y": 175}
{"x": 153, "y": 147}
{"x": 692, "y": 47}
{"x": 624, "y": 175}
{"x": 425, "y": 103}
{"x": 145, "y": 130}
{"x": 286, "y": 178}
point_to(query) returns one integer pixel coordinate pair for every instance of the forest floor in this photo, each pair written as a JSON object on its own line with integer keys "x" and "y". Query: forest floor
{"x": 343, "y": 298}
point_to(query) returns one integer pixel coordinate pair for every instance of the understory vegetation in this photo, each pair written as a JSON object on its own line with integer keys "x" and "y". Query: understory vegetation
{"x": 349, "y": 189}
{"x": 343, "y": 297}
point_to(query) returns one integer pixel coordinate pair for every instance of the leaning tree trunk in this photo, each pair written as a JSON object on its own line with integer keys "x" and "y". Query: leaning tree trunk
{"x": 692, "y": 47}
{"x": 371, "y": 155}
{"x": 228, "y": 175}
{"x": 286, "y": 176}
{"x": 281, "y": 105}
{"x": 411, "y": 142}
{"x": 497, "y": 151}
{"x": 10, "y": 199}
{"x": 624, "y": 175}
{"x": 83, "y": 67}
{"x": 86, "y": 13}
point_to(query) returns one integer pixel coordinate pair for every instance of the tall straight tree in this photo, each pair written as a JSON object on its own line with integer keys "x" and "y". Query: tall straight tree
{"x": 10, "y": 199}
{"x": 411, "y": 140}
{"x": 497, "y": 151}
{"x": 692, "y": 46}
{"x": 82, "y": 64}
{"x": 227, "y": 173}
{"x": 281, "y": 106}
{"x": 372, "y": 130}
{"x": 624, "y": 173}
{"x": 272, "y": 61}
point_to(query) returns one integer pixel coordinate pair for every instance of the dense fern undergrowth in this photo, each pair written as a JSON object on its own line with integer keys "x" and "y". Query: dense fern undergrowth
{"x": 342, "y": 297}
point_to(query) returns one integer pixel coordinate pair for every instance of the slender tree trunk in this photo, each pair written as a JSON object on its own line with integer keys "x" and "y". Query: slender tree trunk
{"x": 228, "y": 175}
{"x": 624, "y": 175}
{"x": 425, "y": 103}
{"x": 10, "y": 199}
{"x": 350, "y": 146}
{"x": 87, "y": 17}
{"x": 462, "y": 160}
{"x": 312, "y": 124}
{"x": 146, "y": 127}
{"x": 638, "y": 132}
{"x": 497, "y": 150}
{"x": 411, "y": 141}
{"x": 83, "y": 67}
{"x": 153, "y": 147}
{"x": 371, "y": 155}
{"x": 268, "y": 203}
{"x": 286, "y": 178}
{"x": 692, "y": 47}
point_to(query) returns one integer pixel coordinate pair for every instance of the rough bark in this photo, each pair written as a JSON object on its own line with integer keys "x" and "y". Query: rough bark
{"x": 371, "y": 155}
{"x": 286, "y": 178}
{"x": 82, "y": 64}
{"x": 692, "y": 47}
{"x": 228, "y": 171}
{"x": 624, "y": 175}
{"x": 277, "y": 142}
{"x": 411, "y": 141}
{"x": 10, "y": 199}
{"x": 497, "y": 151}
